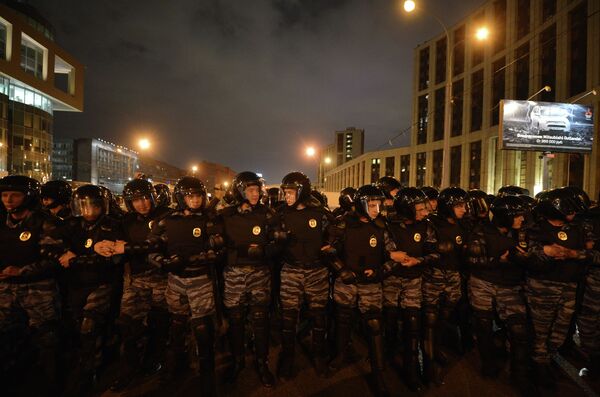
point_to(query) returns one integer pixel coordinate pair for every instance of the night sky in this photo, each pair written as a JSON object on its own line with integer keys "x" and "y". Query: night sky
{"x": 246, "y": 83}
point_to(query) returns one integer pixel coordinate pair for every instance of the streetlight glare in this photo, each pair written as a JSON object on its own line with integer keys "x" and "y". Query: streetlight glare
{"x": 310, "y": 151}
{"x": 194, "y": 168}
{"x": 327, "y": 160}
{"x": 409, "y": 6}
{"x": 144, "y": 143}
{"x": 482, "y": 33}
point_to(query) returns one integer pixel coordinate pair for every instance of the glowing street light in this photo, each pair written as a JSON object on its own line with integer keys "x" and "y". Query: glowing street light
{"x": 327, "y": 160}
{"x": 310, "y": 151}
{"x": 194, "y": 169}
{"x": 409, "y": 6}
{"x": 144, "y": 144}
{"x": 482, "y": 33}
{"x": 226, "y": 184}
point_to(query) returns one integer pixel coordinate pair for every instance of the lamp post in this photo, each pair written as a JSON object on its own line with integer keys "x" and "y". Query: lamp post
{"x": 481, "y": 34}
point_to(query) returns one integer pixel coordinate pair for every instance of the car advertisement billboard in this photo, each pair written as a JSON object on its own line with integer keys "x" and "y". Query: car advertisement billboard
{"x": 546, "y": 126}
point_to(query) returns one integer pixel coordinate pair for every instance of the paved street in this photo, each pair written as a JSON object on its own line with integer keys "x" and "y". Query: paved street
{"x": 462, "y": 379}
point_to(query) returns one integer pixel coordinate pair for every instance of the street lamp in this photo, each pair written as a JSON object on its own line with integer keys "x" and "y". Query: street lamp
{"x": 310, "y": 151}
{"x": 327, "y": 160}
{"x": 144, "y": 144}
{"x": 482, "y": 33}
{"x": 409, "y": 6}
{"x": 194, "y": 169}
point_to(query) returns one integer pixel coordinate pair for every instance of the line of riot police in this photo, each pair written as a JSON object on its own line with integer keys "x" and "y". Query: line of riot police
{"x": 426, "y": 272}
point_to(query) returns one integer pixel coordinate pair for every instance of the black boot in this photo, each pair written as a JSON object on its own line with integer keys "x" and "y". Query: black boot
{"x": 175, "y": 354}
{"x": 432, "y": 372}
{"x": 412, "y": 330}
{"x": 131, "y": 333}
{"x": 46, "y": 340}
{"x": 520, "y": 359}
{"x": 260, "y": 325}
{"x": 204, "y": 333}
{"x": 285, "y": 366}
{"x": 484, "y": 330}
{"x": 319, "y": 347}
{"x": 343, "y": 330}
{"x": 159, "y": 321}
{"x": 374, "y": 328}
{"x": 390, "y": 320}
{"x": 236, "y": 333}
{"x": 83, "y": 378}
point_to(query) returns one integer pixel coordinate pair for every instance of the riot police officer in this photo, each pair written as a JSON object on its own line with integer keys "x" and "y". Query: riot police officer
{"x": 304, "y": 274}
{"x": 362, "y": 251}
{"x": 190, "y": 238}
{"x": 416, "y": 243}
{"x": 92, "y": 265}
{"x": 27, "y": 282}
{"x": 442, "y": 282}
{"x": 163, "y": 195}
{"x": 56, "y": 198}
{"x": 345, "y": 202}
{"x": 496, "y": 254}
{"x": 143, "y": 304}
{"x": 558, "y": 264}
{"x": 249, "y": 228}
{"x": 432, "y": 197}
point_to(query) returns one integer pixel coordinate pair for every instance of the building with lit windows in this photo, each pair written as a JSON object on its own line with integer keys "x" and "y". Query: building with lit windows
{"x": 533, "y": 43}
{"x": 37, "y": 78}
{"x": 348, "y": 144}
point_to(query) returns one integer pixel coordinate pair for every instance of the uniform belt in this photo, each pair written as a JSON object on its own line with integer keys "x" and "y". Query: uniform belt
{"x": 194, "y": 272}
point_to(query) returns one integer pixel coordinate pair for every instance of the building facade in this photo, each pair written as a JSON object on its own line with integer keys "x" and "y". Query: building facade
{"x": 347, "y": 145}
{"x": 37, "y": 78}
{"x": 533, "y": 44}
{"x": 103, "y": 163}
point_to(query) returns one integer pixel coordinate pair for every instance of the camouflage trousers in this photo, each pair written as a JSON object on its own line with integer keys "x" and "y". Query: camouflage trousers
{"x": 246, "y": 285}
{"x": 508, "y": 301}
{"x": 404, "y": 292}
{"x": 39, "y": 301}
{"x": 588, "y": 321}
{"x": 439, "y": 283}
{"x": 298, "y": 284}
{"x": 551, "y": 304}
{"x": 92, "y": 302}
{"x": 368, "y": 297}
{"x": 143, "y": 292}
{"x": 191, "y": 296}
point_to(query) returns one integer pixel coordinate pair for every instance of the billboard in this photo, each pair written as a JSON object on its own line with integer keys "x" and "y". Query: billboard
{"x": 546, "y": 126}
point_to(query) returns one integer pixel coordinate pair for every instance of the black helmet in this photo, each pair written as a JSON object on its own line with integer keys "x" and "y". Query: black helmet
{"x": 28, "y": 186}
{"x": 448, "y": 198}
{"x": 346, "y": 199}
{"x": 242, "y": 181}
{"x": 505, "y": 209}
{"x": 511, "y": 190}
{"x": 138, "y": 189}
{"x": 478, "y": 204}
{"x": 114, "y": 208}
{"x": 431, "y": 192}
{"x": 386, "y": 184}
{"x": 59, "y": 191}
{"x": 186, "y": 186}
{"x": 363, "y": 195}
{"x": 580, "y": 196}
{"x": 163, "y": 195}
{"x": 406, "y": 199}
{"x": 299, "y": 182}
{"x": 321, "y": 198}
{"x": 556, "y": 204}
{"x": 90, "y": 195}
{"x": 272, "y": 198}
{"x": 228, "y": 198}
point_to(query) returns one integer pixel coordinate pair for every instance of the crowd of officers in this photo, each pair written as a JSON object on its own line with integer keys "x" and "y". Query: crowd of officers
{"x": 423, "y": 270}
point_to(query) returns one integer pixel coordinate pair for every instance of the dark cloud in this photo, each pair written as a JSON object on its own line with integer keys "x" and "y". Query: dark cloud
{"x": 245, "y": 83}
